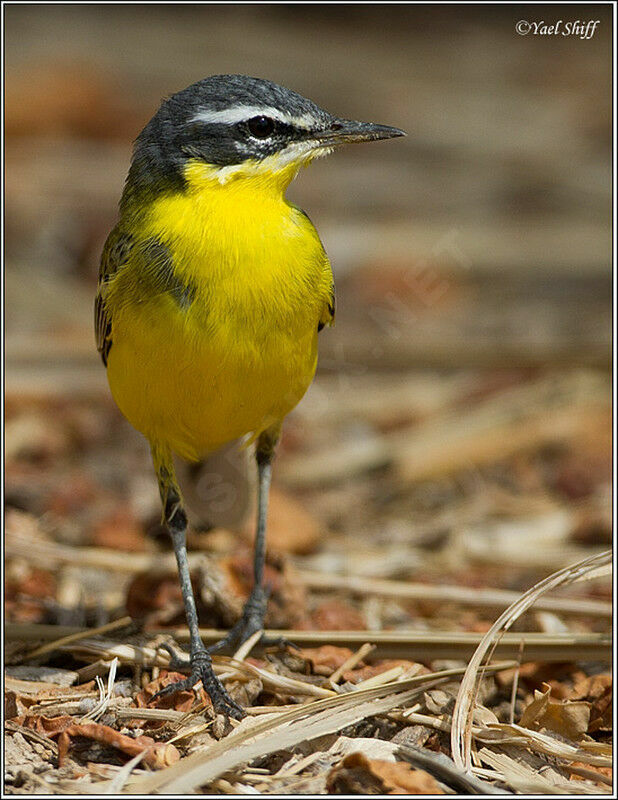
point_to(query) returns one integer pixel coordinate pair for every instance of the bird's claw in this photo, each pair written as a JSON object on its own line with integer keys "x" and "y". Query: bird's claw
{"x": 280, "y": 642}
{"x": 179, "y": 662}
{"x": 200, "y": 665}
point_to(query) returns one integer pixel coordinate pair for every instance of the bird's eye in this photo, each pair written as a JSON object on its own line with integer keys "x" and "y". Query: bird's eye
{"x": 260, "y": 127}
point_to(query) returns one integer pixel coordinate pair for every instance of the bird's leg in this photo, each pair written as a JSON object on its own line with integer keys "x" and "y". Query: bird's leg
{"x": 200, "y": 662}
{"x": 252, "y": 618}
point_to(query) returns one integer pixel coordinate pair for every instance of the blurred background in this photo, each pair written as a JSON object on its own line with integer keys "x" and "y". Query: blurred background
{"x": 458, "y": 431}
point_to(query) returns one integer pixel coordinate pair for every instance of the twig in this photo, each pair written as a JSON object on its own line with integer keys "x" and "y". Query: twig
{"x": 106, "y": 695}
{"x": 441, "y": 767}
{"x": 430, "y": 645}
{"x": 247, "y": 646}
{"x": 350, "y": 663}
{"x": 150, "y": 714}
{"x": 463, "y": 595}
{"x": 389, "y": 675}
{"x": 27, "y": 733}
{"x": 40, "y": 551}
{"x": 544, "y": 743}
{"x": 591, "y": 775}
{"x": 279, "y": 682}
{"x": 51, "y": 646}
{"x": 515, "y": 683}
{"x": 550, "y": 409}
{"x": 417, "y": 645}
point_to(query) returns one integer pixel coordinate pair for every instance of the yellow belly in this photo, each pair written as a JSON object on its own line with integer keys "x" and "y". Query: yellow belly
{"x": 196, "y": 393}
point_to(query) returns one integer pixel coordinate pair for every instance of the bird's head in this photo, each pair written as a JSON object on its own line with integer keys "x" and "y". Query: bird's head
{"x": 230, "y": 126}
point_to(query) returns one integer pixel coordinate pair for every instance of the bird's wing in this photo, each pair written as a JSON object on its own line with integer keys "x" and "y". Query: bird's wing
{"x": 328, "y": 312}
{"x": 116, "y": 253}
{"x": 330, "y": 308}
{"x": 151, "y": 274}
{"x": 327, "y": 317}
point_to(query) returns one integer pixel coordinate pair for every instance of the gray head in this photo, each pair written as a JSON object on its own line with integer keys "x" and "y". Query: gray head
{"x": 227, "y": 120}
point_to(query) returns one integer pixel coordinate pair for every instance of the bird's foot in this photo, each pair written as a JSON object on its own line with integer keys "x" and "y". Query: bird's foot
{"x": 200, "y": 668}
{"x": 251, "y": 621}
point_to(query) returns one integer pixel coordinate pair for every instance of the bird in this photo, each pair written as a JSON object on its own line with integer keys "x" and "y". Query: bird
{"x": 212, "y": 291}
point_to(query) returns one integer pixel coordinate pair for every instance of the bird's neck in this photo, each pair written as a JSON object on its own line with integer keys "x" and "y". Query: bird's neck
{"x": 221, "y": 226}
{"x": 258, "y": 178}
{"x": 238, "y": 201}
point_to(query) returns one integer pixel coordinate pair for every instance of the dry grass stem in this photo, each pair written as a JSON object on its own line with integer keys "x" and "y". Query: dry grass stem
{"x": 246, "y": 647}
{"x": 118, "y": 781}
{"x": 463, "y": 595}
{"x": 105, "y": 694}
{"x": 419, "y": 645}
{"x": 549, "y": 745}
{"x": 281, "y": 730}
{"x": 461, "y": 732}
{"x": 430, "y": 645}
{"x": 362, "y": 652}
{"x": 74, "y": 637}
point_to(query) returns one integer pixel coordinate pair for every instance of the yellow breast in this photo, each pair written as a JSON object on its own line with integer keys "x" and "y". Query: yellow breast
{"x": 242, "y": 353}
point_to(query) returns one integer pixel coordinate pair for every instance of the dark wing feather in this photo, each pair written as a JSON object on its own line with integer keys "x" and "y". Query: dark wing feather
{"x": 328, "y": 315}
{"x": 115, "y": 254}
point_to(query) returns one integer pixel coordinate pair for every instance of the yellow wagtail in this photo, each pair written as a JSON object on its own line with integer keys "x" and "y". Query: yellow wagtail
{"x": 212, "y": 290}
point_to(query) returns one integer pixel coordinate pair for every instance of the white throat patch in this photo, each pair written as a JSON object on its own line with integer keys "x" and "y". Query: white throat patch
{"x": 299, "y": 153}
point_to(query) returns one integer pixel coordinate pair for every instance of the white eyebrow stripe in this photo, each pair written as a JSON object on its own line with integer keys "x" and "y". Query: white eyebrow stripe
{"x": 230, "y": 116}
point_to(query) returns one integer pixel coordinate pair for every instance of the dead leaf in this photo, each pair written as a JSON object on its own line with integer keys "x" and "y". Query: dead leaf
{"x": 326, "y": 659}
{"x": 535, "y": 708}
{"x": 568, "y": 718}
{"x": 356, "y": 774}
{"x": 597, "y": 689}
{"x": 353, "y": 775}
{"x": 591, "y": 688}
{"x": 155, "y": 597}
{"x": 46, "y": 726}
{"x": 157, "y": 755}
{"x": 534, "y": 674}
{"x": 400, "y": 778}
{"x": 179, "y": 701}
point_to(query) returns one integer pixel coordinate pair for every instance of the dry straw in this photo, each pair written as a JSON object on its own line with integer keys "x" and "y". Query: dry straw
{"x": 461, "y": 731}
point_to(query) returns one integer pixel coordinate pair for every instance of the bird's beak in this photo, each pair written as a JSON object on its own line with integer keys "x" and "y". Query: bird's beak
{"x": 342, "y": 131}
